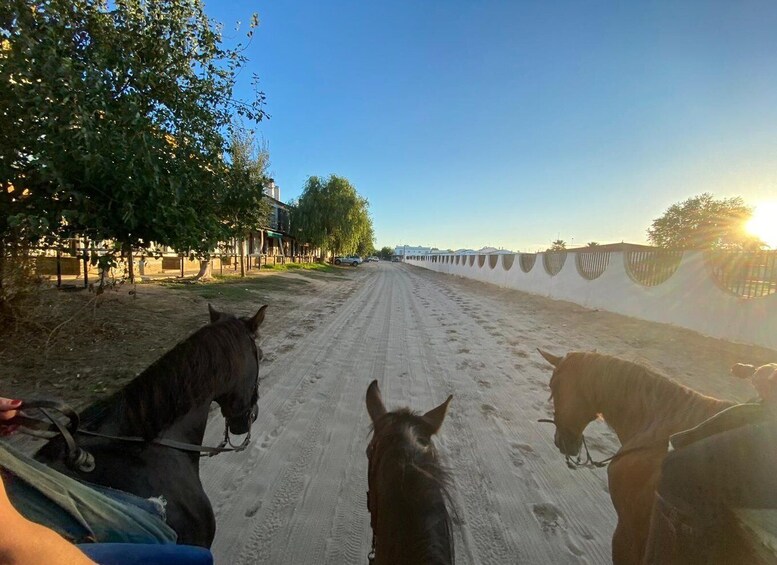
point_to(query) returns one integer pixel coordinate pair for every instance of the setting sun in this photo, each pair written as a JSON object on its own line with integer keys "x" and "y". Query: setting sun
{"x": 763, "y": 224}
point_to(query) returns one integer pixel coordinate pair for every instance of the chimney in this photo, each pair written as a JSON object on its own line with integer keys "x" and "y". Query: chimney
{"x": 272, "y": 190}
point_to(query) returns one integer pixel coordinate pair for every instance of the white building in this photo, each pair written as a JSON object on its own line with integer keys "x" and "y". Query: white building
{"x": 406, "y": 250}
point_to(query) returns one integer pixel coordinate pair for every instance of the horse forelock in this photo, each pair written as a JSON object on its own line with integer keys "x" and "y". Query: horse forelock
{"x": 413, "y": 490}
{"x": 183, "y": 378}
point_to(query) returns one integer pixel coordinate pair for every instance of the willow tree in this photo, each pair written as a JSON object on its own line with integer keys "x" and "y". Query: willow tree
{"x": 243, "y": 206}
{"x": 331, "y": 215}
{"x": 115, "y": 113}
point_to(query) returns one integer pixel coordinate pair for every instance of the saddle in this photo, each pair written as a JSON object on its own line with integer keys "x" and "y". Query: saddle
{"x": 749, "y": 413}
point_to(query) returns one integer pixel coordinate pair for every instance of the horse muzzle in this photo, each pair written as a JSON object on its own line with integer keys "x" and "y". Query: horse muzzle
{"x": 240, "y": 425}
{"x": 567, "y": 444}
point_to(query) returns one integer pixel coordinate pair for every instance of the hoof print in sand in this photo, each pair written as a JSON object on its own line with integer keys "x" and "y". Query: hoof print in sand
{"x": 548, "y": 516}
{"x": 251, "y": 512}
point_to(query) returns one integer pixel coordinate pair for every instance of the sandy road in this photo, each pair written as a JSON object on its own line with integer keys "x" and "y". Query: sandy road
{"x": 298, "y": 494}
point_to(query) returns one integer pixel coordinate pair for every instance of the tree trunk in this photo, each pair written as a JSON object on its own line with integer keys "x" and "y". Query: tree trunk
{"x": 2, "y": 268}
{"x": 59, "y": 268}
{"x": 203, "y": 269}
{"x": 242, "y": 257}
{"x": 261, "y": 247}
{"x": 86, "y": 263}
{"x": 130, "y": 263}
{"x": 5, "y": 310}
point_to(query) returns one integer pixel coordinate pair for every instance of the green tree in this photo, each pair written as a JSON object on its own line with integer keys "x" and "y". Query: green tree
{"x": 243, "y": 206}
{"x": 331, "y": 215}
{"x": 366, "y": 245}
{"x": 116, "y": 112}
{"x": 704, "y": 222}
{"x": 386, "y": 252}
{"x": 592, "y": 244}
{"x": 558, "y": 245}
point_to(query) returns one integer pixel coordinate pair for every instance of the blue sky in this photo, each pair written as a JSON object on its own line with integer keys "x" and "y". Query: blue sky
{"x": 510, "y": 123}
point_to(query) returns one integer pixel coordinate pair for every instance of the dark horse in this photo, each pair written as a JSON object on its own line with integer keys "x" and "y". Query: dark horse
{"x": 644, "y": 408}
{"x": 171, "y": 400}
{"x": 407, "y": 496}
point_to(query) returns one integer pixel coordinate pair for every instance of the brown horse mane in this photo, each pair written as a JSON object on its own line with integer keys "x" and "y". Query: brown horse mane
{"x": 414, "y": 491}
{"x": 638, "y": 391}
{"x": 184, "y": 377}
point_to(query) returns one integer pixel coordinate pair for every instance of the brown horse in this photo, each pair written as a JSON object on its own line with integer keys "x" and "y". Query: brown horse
{"x": 408, "y": 487}
{"x": 644, "y": 408}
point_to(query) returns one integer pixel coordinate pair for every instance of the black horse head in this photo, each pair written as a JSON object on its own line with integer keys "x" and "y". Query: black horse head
{"x": 239, "y": 400}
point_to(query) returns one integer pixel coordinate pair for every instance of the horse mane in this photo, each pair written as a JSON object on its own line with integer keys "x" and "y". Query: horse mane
{"x": 184, "y": 377}
{"x": 640, "y": 390}
{"x": 416, "y": 491}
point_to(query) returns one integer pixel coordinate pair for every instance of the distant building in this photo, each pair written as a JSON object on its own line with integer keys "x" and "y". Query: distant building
{"x": 406, "y": 250}
{"x": 274, "y": 239}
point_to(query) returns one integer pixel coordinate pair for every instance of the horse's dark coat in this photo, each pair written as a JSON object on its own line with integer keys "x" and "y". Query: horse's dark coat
{"x": 171, "y": 399}
{"x": 408, "y": 486}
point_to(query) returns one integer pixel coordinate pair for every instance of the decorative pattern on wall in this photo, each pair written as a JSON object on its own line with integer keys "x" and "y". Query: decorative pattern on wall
{"x": 553, "y": 261}
{"x": 527, "y": 261}
{"x": 653, "y": 266}
{"x": 591, "y": 264}
{"x": 749, "y": 274}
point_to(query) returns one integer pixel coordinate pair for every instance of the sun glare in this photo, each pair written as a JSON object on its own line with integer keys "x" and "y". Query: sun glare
{"x": 763, "y": 224}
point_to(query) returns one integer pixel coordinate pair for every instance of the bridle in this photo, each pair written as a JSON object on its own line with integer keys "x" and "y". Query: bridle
{"x": 577, "y": 462}
{"x": 372, "y": 505}
{"x": 79, "y": 459}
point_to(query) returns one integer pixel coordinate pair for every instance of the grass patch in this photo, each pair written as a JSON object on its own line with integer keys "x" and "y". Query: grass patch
{"x": 313, "y": 267}
{"x": 233, "y": 288}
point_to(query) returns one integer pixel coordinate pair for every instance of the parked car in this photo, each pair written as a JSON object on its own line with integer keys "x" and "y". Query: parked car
{"x": 396, "y": 259}
{"x": 372, "y": 259}
{"x": 348, "y": 260}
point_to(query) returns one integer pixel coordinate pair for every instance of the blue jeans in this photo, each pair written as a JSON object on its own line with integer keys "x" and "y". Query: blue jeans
{"x": 77, "y": 511}
{"x": 143, "y": 554}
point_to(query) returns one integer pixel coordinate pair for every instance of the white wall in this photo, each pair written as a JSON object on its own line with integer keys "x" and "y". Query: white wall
{"x": 690, "y": 298}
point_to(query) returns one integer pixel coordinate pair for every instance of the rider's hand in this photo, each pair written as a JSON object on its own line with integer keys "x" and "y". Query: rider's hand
{"x": 8, "y": 409}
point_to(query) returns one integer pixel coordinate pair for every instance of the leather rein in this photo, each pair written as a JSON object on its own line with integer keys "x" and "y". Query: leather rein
{"x": 577, "y": 461}
{"x": 81, "y": 460}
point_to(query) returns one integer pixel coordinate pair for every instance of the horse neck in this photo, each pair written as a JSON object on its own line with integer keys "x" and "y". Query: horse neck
{"x": 153, "y": 405}
{"x": 660, "y": 408}
{"x": 413, "y": 522}
{"x": 191, "y": 427}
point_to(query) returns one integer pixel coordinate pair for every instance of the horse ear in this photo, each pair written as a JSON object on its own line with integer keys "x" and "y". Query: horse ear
{"x": 256, "y": 321}
{"x": 435, "y": 416}
{"x": 215, "y": 315}
{"x": 375, "y": 406}
{"x": 550, "y": 358}
{"x": 742, "y": 371}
